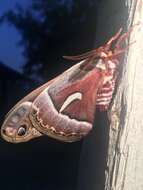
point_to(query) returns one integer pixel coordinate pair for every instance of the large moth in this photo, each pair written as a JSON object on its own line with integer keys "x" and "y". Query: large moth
{"x": 64, "y": 107}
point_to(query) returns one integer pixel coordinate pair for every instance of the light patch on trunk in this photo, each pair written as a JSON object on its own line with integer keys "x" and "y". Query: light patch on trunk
{"x": 70, "y": 99}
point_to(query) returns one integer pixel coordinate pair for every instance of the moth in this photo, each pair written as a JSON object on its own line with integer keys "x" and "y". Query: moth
{"x": 64, "y": 107}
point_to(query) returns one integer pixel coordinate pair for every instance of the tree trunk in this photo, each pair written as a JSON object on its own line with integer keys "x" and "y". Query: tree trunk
{"x": 125, "y": 153}
{"x": 123, "y": 158}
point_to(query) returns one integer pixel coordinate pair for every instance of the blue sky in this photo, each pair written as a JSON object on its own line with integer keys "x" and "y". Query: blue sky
{"x": 10, "y": 52}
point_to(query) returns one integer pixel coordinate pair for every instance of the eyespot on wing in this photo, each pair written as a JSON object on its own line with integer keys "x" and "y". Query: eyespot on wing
{"x": 17, "y": 126}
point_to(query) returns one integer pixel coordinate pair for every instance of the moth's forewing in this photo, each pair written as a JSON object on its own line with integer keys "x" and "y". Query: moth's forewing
{"x": 17, "y": 127}
{"x": 65, "y": 109}
{"x": 18, "y": 118}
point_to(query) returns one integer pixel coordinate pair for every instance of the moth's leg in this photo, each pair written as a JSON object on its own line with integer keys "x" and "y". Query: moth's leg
{"x": 109, "y": 43}
{"x": 95, "y": 52}
{"x": 123, "y": 37}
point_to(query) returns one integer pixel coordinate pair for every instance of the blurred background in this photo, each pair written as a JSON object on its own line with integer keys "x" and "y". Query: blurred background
{"x": 34, "y": 35}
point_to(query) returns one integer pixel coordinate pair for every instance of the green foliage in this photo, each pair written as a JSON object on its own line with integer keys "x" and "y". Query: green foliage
{"x": 52, "y": 28}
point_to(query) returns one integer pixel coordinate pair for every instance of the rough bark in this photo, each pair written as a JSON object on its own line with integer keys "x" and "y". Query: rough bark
{"x": 125, "y": 153}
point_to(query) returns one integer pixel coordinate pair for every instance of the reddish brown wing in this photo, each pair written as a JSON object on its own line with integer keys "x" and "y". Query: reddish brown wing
{"x": 65, "y": 109}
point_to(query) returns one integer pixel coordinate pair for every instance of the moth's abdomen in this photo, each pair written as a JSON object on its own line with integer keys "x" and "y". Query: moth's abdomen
{"x": 104, "y": 95}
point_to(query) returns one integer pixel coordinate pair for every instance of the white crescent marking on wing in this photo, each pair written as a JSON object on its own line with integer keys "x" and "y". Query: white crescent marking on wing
{"x": 70, "y": 99}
